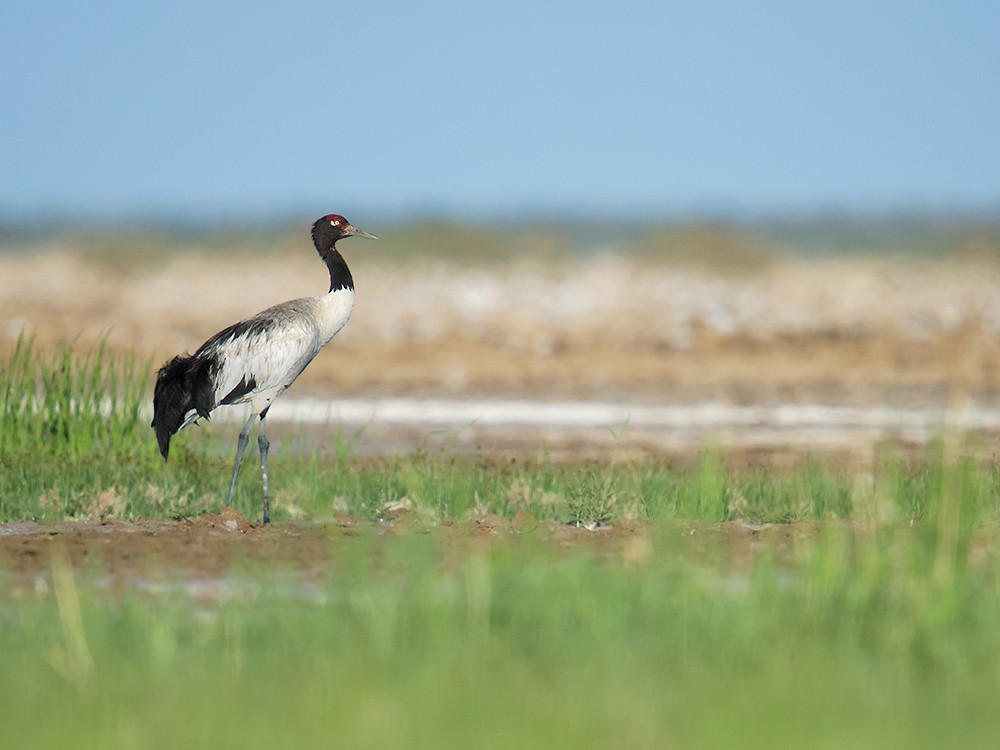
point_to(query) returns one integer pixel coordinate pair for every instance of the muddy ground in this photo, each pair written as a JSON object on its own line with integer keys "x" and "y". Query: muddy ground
{"x": 220, "y": 555}
{"x": 202, "y": 554}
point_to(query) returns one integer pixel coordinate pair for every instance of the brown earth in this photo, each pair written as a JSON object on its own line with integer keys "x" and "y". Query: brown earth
{"x": 217, "y": 546}
{"x": 837, "y": 331}
{"x": 204, "y": 558}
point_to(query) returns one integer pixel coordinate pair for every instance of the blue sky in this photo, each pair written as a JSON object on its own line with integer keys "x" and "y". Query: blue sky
{"x": 244, "y": 109}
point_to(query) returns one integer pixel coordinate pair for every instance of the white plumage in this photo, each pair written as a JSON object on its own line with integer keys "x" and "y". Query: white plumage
{"x": 257, "y": 359}
{"x": 274, "y": 355}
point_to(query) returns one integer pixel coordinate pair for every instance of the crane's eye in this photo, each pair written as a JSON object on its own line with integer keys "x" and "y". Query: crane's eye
{"x": 335, "y": 222}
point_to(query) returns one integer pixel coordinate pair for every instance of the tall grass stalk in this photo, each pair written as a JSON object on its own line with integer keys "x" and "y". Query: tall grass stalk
{"x": 70, "y": 403}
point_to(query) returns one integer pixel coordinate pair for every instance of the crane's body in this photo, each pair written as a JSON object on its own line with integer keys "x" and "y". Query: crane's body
{"x": 256, "y": 360}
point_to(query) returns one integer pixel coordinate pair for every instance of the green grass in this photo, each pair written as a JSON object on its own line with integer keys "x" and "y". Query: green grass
{"x": 69, "y": 403}
{"x": 855, "y": 641}
{"x": 73, "y": 442}
{"x": 70, "y": 429}
{"x": 871, "y": 622}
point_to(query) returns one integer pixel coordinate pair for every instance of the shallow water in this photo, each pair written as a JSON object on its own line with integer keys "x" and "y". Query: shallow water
{"x": 392, "y": 424}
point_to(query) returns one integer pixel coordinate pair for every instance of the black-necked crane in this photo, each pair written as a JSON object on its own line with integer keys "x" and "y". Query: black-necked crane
{"x": 257, "y": 359}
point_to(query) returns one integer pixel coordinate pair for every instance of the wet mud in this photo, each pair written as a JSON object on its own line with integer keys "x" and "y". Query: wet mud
{"x": 201, "y": 554}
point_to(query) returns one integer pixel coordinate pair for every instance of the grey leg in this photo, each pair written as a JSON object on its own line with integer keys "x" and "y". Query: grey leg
{"x": 241, "y": 445}
{"x": 263, "y": 444}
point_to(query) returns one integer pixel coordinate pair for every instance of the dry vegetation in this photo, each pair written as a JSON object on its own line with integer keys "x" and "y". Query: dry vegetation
{"x": 765, "y": 328}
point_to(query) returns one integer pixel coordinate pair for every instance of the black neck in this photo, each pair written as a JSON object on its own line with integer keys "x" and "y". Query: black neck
{"x": 340, "y": 274}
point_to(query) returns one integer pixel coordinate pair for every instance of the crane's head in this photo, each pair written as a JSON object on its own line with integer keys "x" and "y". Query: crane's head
{"x": 332, "y": 227}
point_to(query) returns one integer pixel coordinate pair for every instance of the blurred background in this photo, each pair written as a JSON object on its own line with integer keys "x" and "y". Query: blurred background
{"x": 781, "y": 222}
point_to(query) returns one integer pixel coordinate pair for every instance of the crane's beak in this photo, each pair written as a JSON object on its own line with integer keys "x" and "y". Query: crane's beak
{"x": 355, "y": 232}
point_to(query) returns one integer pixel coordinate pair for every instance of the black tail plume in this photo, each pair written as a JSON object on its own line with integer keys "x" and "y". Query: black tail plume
{"x": 183, "y": 384}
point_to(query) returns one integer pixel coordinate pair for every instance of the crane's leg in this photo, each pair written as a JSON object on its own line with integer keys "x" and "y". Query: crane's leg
{"x": 241, "y": 445}
{"x": 263, "y": 444}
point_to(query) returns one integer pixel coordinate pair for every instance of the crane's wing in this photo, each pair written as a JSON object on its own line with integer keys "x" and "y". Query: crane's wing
{"x": 258, "y": 358}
